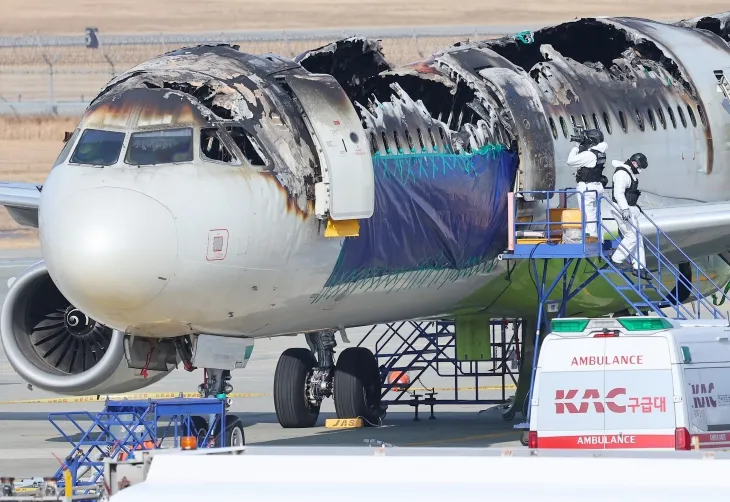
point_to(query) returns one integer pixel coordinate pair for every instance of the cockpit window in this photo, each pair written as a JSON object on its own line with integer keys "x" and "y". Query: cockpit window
{"x": 160, "y": 147}
{"x": 66, "y": 148}
{"x": 248, "y": 147}
{"x": 98, "y": 148}
{"x": 213, "y": 147}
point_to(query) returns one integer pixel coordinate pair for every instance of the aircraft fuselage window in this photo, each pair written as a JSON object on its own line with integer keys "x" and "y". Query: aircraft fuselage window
{"x": 248, "y": 147}
{"x": 98, "y": 148}
{"x": 607, "y": 121}
{"x": 160, "y": 147}
{"x": 213, "y": 148}
{"x": 563, "y": 127}
{"x": 553, "y": 128}
{"x": 66, "y": 148}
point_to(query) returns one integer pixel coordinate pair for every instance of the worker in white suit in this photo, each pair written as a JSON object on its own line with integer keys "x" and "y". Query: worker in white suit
{"x": 626, "y": 195}
{"x": 588, "y": 157}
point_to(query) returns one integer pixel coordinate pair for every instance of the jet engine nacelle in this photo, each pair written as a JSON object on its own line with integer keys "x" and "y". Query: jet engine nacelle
{"x": 56, "y": 347}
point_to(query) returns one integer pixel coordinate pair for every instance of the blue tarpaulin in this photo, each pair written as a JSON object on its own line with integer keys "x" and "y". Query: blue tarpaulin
{"x": 432, "y": 212}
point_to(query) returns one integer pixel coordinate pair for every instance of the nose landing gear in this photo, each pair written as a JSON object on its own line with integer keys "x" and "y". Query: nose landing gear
{"x": 217, "y": 384}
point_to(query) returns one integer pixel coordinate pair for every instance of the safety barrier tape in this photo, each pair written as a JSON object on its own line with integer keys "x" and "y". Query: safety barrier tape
{"x": 168, "y": 395}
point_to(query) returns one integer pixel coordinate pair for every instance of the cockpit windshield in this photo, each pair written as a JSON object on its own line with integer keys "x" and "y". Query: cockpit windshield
{"x": 160, "y": 147}
{"x": 98, "y": 148}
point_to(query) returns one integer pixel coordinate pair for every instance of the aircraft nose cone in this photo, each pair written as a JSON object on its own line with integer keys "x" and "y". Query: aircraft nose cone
{"x": 109, "y": 249}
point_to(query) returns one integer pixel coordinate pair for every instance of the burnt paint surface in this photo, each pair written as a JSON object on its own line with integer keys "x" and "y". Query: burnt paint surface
{"x": 229, "y": 87}
{"x": 144, "y": 107}
{"x": 456, "y": 102}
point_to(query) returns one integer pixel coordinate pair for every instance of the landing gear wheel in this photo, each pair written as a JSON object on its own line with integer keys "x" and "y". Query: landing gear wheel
{"x": 293, "y": 408}
{"x": 357, "y": 386}
{"x": 234, "y": 432}
{"x": 525, "y": 405}
{"x": 509, "y": 415}
{"x": 199, "y": 428}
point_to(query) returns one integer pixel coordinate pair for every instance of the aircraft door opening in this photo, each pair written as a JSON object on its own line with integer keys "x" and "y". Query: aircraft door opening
{"x": 347, "y": 189}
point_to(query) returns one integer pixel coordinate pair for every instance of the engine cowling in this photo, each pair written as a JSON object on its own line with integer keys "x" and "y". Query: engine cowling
{"x": 56, "y": 347}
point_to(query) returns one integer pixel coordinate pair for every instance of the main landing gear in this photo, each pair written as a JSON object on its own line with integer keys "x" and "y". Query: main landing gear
{"x": 302, "y": 381}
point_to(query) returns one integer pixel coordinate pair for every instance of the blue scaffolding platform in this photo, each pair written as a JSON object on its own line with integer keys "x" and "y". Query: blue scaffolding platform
{"x": 431, "y": 350}
{"x": 561, "y": 238}
{"x": 126, "y": 426}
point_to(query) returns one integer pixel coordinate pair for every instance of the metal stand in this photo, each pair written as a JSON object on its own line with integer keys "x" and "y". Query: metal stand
{"x": 126, "y": 426}
{"x": 644, "y": 296}
{"x": 419, "y": 348}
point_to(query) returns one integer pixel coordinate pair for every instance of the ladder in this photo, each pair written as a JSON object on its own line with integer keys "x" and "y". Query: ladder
{"x": 546, "y": 240}
{"x": 659, "y": 290}
{"x": 723, "y": 82}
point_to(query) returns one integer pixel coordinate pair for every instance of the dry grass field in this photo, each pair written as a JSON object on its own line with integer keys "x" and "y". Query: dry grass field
{"x": 126, "y": 16}
{"x": 28, "y": 146}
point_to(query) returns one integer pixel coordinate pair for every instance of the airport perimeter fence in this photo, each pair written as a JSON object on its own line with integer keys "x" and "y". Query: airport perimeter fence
{"x": 61, "y": 74}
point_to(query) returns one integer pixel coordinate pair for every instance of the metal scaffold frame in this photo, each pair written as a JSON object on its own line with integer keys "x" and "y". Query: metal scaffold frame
{"x": 126, "y": 426}
{"x": 550, "y": 243}
{"x": 418, "y": 348}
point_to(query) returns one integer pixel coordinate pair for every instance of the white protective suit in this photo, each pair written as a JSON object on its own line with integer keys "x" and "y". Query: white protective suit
{"x": 588, "y": 159}
{"x": 629, "y": 242}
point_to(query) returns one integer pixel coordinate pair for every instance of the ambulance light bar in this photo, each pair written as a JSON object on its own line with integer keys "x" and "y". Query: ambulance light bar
{"x": 644, "y": 323}
{"x": 581, "y": 324}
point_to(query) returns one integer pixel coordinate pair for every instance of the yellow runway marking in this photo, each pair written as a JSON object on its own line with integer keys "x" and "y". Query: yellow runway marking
{"x": 169, "y": 395}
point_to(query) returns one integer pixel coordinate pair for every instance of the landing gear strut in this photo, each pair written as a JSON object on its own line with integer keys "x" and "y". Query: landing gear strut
{"x": 217, "y": 384}
{"x": 302, "y": 381}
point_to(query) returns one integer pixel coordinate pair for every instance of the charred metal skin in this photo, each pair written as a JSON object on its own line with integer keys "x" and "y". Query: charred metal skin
{"x": 224, "y": 235}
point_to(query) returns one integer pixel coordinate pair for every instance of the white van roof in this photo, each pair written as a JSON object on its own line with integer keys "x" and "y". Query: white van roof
{"x": 584, "y": 326}
{"x": 696, "y": 340}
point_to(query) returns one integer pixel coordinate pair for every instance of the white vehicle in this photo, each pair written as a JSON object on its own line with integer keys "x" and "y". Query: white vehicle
{"x": 632, "y": 382}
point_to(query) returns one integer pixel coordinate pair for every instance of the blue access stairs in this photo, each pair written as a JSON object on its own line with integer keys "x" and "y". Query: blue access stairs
{"x": 549, "y": 241}
{"x": 658, "y": 289}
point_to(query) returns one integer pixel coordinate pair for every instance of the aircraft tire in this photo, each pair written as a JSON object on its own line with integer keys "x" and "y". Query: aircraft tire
{"x": 293, "y": 410}
{"x": 234, "y": 432}
{"x": 525, "y": 438}
{"x": 357, "y": 386}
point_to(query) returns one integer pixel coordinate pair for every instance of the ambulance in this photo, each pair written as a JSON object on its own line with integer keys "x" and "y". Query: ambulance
{"x": 647, "y": 383}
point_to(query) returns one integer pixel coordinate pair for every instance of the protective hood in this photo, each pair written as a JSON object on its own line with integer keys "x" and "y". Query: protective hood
{"x": 619, "y": 163}
{"x": 601, "y": 147}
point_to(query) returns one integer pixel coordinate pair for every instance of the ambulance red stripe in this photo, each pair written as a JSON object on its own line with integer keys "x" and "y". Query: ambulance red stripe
{"x": 607, "y": 441}
{"x": 714, "y": 440}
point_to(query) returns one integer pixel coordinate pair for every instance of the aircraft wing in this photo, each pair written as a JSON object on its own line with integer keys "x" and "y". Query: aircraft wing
{"x": 21, "y": 200}
{"x": 698, "y": 229}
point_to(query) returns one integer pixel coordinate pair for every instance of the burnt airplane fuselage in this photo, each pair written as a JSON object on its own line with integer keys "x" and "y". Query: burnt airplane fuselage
{"x": 221, "y": 236}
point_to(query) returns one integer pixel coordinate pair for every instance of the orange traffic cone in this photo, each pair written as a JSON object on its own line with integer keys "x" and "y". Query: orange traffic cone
{"x": 400, "y": 377}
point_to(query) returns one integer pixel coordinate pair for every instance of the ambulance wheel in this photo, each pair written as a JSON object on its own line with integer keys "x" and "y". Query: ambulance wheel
{"x": 525, "y": 438}
{"x": 293, "y": 408}
{"x": 234, "y": 432}
{"x": 357, "y": 386}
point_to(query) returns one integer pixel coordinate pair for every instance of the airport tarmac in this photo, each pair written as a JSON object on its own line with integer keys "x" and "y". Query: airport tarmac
{"x": 30, "y": 442}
